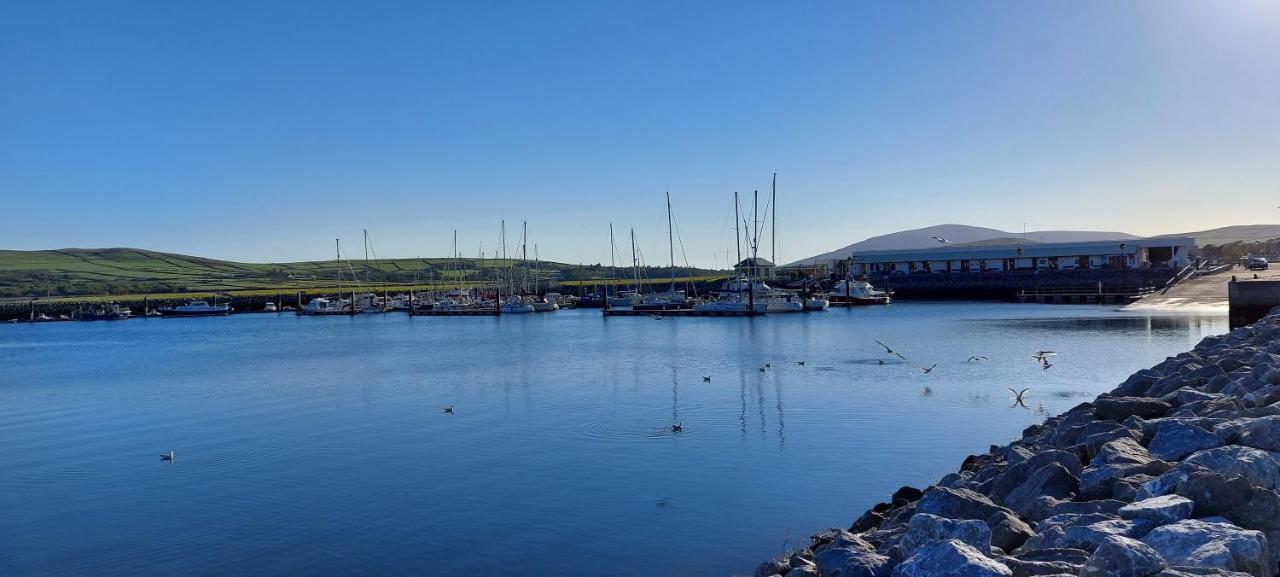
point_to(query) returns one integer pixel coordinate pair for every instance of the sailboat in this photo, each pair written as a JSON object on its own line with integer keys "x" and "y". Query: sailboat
{"x": 512, "y": 303}
{"x": 321, "y": 306}
{"x": 369, "y": 303}
{"x": 737, "y": 295}
{"x": 672, "y": 298}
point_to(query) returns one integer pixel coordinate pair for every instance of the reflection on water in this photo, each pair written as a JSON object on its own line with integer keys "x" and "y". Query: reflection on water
{"x": 318, "y": 445}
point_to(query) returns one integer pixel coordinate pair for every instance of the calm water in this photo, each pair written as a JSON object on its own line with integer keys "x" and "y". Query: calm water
{"x": 318, "y": 445}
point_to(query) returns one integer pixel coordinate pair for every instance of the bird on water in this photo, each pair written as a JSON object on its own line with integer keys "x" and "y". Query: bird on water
{"x": 706, "y": 379}
{"x": 167, "y": 456}
{"x": 449, "y": 409}
{"x": 1017, "y": 400}
{"x": 678, "y": 427}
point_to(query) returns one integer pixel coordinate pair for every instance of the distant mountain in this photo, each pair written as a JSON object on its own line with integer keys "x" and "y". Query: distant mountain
{"x": 960, "y": 234}
{"x": 1229, "y": 234}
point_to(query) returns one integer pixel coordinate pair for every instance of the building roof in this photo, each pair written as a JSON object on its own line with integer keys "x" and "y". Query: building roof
{"x": 756, "y": 262}
{"x": 1035, "y": 250}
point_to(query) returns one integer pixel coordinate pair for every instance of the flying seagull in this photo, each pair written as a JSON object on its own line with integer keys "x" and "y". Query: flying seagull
{"x": 1018, "y": 396}
{"x": 941, "y": 240}
{"x": 928, "y": 370}
{"x": 976, "y": 359}
{"x": 891, "y": 351}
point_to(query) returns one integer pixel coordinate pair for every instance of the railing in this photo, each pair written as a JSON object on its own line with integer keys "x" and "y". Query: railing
{"x": 1100, "y": 290}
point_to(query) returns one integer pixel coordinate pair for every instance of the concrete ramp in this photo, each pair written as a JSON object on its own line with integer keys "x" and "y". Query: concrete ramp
{"x": 1205, "y": 294}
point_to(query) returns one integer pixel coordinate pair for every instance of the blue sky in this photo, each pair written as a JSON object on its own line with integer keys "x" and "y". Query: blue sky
{"x": 262, "y": 131}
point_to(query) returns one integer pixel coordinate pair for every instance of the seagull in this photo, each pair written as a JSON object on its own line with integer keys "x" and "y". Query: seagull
{"x": 678, "y": 427}
{"x": 882, "y": 361}
{"x": 706, "y": 379}
{"x": 927, "y": 391}
{"x": 801, "y": 363}
{"x": 762, "y": 369}
{"x": 941, "y": 240}
{"x": 1046, "y": 366}
{"x": 449, "y": 409}
{"x": 1018, "y": 395}
{"x": 976, "y": 359}
{"x": 1042, "y": 357}
{"x": 768, "y": 366}
{"x": 658, "y": 317}
{"x": 928, "y": 370}
{"x": 166, "y": 456}
{"x": 891, "y": 351}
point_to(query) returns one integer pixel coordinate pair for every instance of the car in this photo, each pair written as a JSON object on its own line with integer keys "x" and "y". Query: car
{"x": 1257, "y": 264}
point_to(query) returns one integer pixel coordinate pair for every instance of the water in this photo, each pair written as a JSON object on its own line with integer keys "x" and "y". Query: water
{"x": 317, "y": 446}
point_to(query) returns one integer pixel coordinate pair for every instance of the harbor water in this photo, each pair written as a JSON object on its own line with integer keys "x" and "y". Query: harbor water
{"x": 318, "y": 445}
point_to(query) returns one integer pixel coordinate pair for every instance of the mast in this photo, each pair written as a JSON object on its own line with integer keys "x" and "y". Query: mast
{"x": 671, "y": 246}
{"x": 504, "y": 250}
{"x": 613, "y": 267}
{"x": 524, "y": 257}
{"x": 635, "y": 264}
{"x": 366, "y": 256}
{"x": 773, "y": 232}
{"x": 737, "y": 235}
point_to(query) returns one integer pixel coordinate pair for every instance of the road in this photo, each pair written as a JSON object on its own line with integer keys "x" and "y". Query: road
{"x": 1206, "y": 294}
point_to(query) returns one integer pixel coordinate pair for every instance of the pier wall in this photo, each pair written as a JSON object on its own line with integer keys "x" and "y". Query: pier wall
{"x": 1173, "y": 473}
{"x": 1250, "y": 300}
{"x": 1006, "y": 285}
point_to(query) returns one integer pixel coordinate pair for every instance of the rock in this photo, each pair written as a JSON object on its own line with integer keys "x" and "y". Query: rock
{"x": 1126, "y": 488}
{"x": 1176, "y": 440}
{"x": 1118, "y": 408}
{"x": 1233, "y": 497}
{"x": 1082, "y": 531}
{"x": 1122, "y": 557}
{"x": 1137, "y": 384}
{"x": 1160, "y": 510}
{"x": 1099, "y": 482}
{"x": 1007, "y": 531}
{"x": 1167, "y": 482}
{"x": 772, "y": 567}
{"x": 1198, "y": 572}
{"x": 1069, "y": 556}
{"x": 907, "y": 493}
{"x": 1025, "y": 568}
{"x": 1017, "y": 474}
{"x": 957, "y": 504}
{"x": 1107, "y": 506}
{"x": 807, "y": 571}
{"x": 952, "y": 559}
{"x": 1121, "y": 452}
{"x": 1256, "y": 465}
{"x": 1212, "y": 545}
{"x": 850, "y": 556}
{"x": 868, "y": 521}
{"x": 1262, "y": 433}
{"x": 1052, "y": 480}
{"x": 925, "y": 529}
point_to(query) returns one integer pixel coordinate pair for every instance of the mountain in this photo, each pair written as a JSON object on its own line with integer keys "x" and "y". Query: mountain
{"x": 961, "y": 234}
{"x": 1238, "y": 233}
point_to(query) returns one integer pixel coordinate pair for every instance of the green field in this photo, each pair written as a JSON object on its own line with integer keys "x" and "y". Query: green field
{"x": 119, "y": 271}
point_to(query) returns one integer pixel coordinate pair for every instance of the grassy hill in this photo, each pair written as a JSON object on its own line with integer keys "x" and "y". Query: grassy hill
{"x": 136, "y": 271}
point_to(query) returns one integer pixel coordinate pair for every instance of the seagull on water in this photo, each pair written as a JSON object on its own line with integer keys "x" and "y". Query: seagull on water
{"x": 706, "y": 379}
{"x": 1017, "y": 400}
{"x": 658, "y": 317}
{"x": 449, "y": 409}
{"x": 891, "y": 351}
{"x": 801, "y": 363}
{"x": 678, "y": 427}
{"x": 928, "y": 370}
{"x": 166, "y": 456}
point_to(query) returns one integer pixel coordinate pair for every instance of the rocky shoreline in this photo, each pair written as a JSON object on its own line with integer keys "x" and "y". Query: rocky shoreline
{"x": 1173, "y": 474}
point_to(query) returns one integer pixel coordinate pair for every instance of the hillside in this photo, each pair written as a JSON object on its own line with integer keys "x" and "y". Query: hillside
{"x": 1230, "y": 234}
{"x": 129, "y": 270}
{"x": 960, "y": 234}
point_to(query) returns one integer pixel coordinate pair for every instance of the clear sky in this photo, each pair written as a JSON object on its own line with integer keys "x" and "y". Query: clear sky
{"x": 260, "y": 131}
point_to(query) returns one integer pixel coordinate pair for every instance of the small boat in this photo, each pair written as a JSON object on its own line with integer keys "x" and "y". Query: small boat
{"x": 196, "y": 309}
{"x": 515, "y": 305}
{"x": 730, "y": 305}
{"x": 270, "y": 307}
{"x": 321, "y": 306}
{"x": 107, "y": 312}
{"x": 849, "y": 292}
{"x": 544, "y": 305}
{"x": 816, "y": 303}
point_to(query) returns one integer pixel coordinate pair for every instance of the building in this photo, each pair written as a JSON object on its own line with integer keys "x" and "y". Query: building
{"x": 1143, "y": 253}
{"x": 755, "y": 268}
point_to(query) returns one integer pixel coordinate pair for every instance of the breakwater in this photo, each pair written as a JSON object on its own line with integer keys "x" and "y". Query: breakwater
{"x": 1173, "y": 473}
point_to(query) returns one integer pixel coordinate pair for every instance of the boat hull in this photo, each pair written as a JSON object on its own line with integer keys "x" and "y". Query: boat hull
{"x": 837, "y": 301}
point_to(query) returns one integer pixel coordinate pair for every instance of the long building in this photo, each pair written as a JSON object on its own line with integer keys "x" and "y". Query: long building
{"x": 1146, "y": 253}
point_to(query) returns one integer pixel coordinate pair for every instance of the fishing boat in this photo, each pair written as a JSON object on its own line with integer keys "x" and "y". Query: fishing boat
{"x": 850, "y": 292}
{"x": 107, "y": 312}
{"x": 196, "y": 309}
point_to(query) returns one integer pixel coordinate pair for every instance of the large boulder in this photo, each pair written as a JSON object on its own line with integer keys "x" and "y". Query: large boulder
{"x": 1262, "y": 433}
{"x": 952, "y": 559}
{"x": 848, "y": 555}
{"x": 1123, "y": 451}
{"x": 1122, "y": 557}
{"x": 925, "y": 528}
{"x": 1256, "y": 465}
{"x": 1175, "y": 440}
{"x": 957, "y": 504}
{"x": 1081, "y": 531}
{"x": 1212, "y": 545}
{"x": 1007, "y": 531}
{"x": 1052, "y": 480}
{"x": 1119, "y": 408}
{"x": 1160, "y": 510}
{"x": 1017, "y": 474}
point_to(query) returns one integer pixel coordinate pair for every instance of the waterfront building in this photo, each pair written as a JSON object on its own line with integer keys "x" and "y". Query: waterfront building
{"x": 1145, "y": 253}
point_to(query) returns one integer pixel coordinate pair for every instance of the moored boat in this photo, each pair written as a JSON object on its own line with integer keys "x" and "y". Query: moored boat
{"x": 849, "y": 292}
{"x": 196, "y": 309}
{"x": 107, "y": 312}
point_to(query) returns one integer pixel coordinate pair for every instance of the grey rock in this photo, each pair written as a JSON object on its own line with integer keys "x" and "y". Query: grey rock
{"x": 1126, "y": 489}
{"x": 1099, "y": 482}
{"x": 1007, "y": 531}
{"x": 771, "y": 567}
{"x": 1258, "y": 466}
{"x": 950, "y": 558}
{"x": 1052, "y": 480}
{"x": 1122, "y": 557}
{"x": 806, "y": 571}
{"x": 1160, "y": 510}
{"x": 1198, "y": 572}
{"x": 1138, "y": 383}
{"x": 1025, "y": 568}
{"x": 957, "y": 504}
{"x": 850, "y": 556}
{"x": 1122, "y": 452}
{"x": 1213, "y": 545}
{"x": 1119, "y": 408}
{"x": 1106, "y": 506}
{"x": 1017, "y": 474}
{"x": 925, "y": 528}
{"x": 1175, "y": 440}
{"x": 1069, "y": 556}
{"x": 1262, "y": 433}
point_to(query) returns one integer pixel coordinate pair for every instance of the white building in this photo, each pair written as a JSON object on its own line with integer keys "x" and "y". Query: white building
{"x": 1108, "y": 254}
